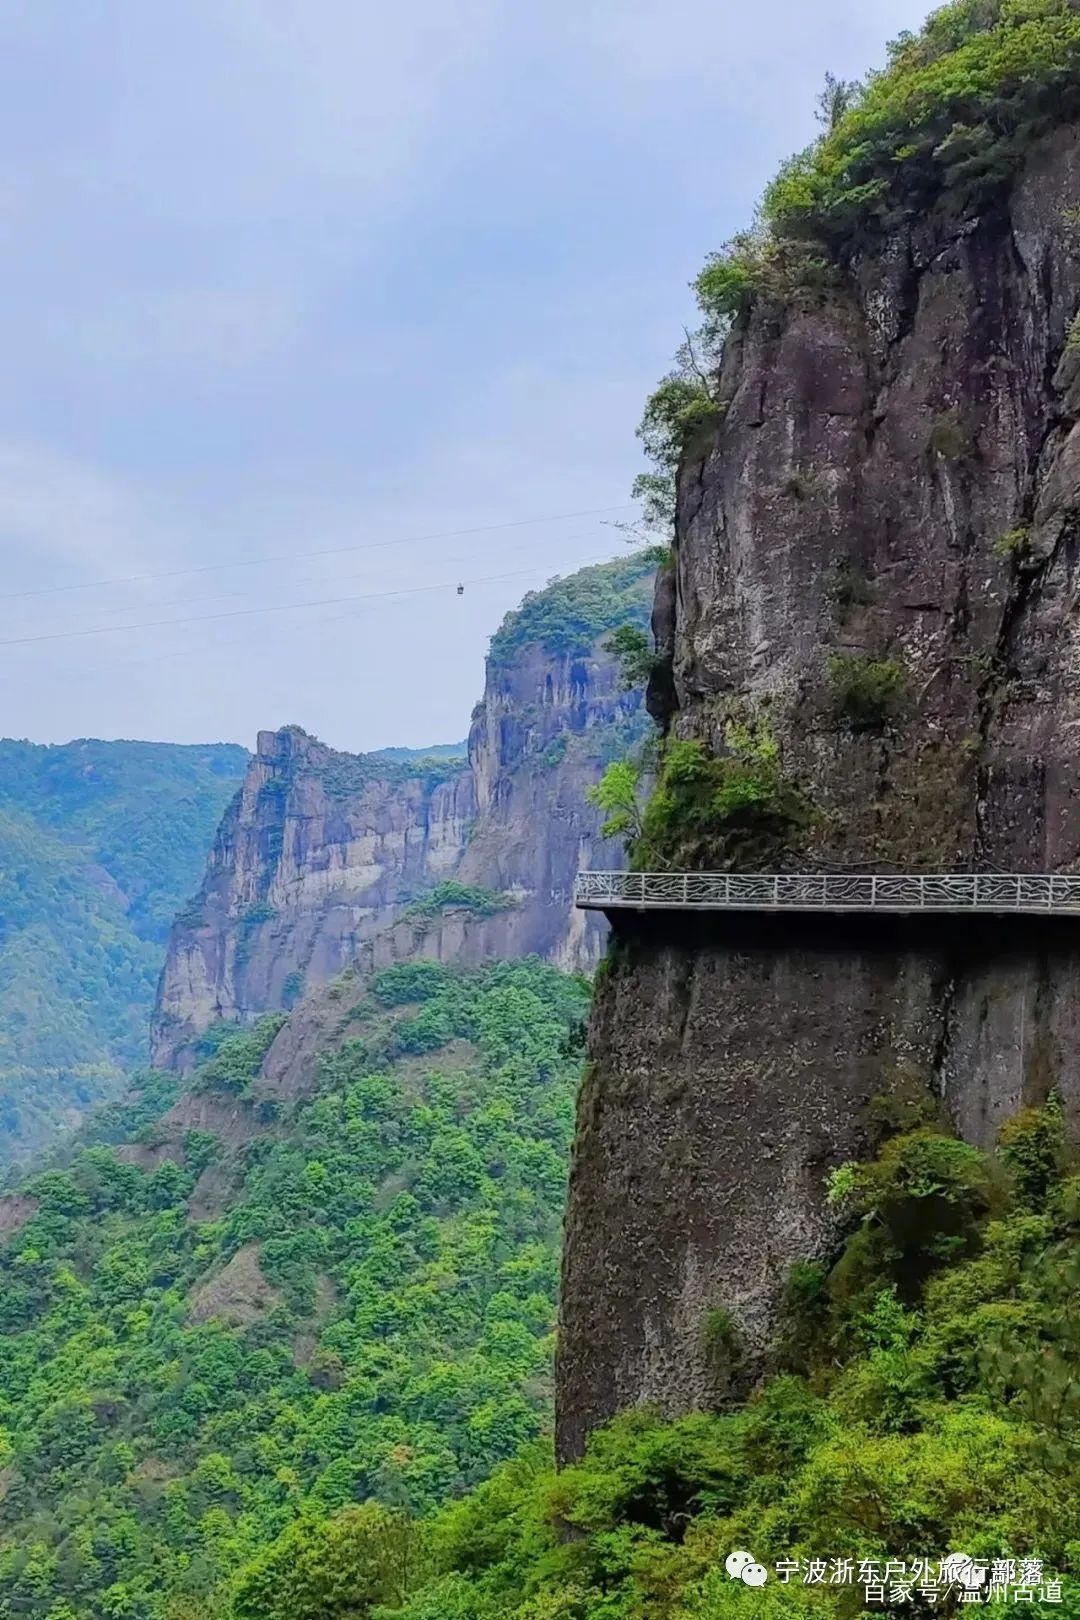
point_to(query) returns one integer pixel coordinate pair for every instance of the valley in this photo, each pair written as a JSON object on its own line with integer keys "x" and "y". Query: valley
{"x": 386, "y": 1235}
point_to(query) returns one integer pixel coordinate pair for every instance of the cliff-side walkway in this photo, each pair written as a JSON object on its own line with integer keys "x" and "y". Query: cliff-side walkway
{"x": 994, "y": 892}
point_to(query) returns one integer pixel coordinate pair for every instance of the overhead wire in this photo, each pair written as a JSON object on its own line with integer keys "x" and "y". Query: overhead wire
{"x": 313, "y": 579}
{"x": 211, "y": 648}
{"x": 243, "y": 613}
{"x": 304, "y": 556}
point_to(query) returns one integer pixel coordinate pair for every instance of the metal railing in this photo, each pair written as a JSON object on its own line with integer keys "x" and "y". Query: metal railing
{"x": 829, "y": 891}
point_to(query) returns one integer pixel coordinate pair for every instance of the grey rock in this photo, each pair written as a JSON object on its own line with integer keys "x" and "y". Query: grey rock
{"x": 320, "y": 854}
{"x": 897, "y": 428}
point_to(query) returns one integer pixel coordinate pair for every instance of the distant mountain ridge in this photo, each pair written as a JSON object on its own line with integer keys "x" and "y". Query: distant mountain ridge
{"x": 325, "y": 858}
{"x": 457, "y": 851}
{"x": 100, "y": 843}
{"x": 458, "y": 750}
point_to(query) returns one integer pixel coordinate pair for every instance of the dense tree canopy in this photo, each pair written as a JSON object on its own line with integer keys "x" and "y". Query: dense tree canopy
{"x": 100, "y": 843}
{"x": 352, "y": 1303}
{"x": 570, "y": 615}
{"x": 925, "y": 1399}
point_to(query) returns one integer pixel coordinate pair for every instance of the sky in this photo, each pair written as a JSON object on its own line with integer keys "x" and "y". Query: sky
{"x": 312, "y": 310}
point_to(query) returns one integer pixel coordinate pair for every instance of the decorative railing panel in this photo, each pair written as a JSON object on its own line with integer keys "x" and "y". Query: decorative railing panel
{"x": 831, "y": 891}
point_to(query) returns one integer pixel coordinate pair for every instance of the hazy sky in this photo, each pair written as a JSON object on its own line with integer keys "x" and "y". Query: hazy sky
{"x": 289, "y": 276}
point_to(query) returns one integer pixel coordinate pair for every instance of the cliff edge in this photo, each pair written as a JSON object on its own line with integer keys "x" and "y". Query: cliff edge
{"x": 874, "y": 581}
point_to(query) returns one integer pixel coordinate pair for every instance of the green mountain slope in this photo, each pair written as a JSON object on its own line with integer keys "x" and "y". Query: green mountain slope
{"x": 100, "y": 843}
{"x": 924, "y": 1401}
{"x": 567, "y": 616}
{"x": 330, "y": 1297}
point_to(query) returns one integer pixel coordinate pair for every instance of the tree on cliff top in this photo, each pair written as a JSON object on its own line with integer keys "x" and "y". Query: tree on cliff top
{"x": 946, "y": 123}
{"x": 569, "y": 615}
{"x": 950, "y": 118}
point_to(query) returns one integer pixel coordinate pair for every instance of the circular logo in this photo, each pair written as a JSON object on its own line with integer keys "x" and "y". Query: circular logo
{"x": 743, "y": 1566}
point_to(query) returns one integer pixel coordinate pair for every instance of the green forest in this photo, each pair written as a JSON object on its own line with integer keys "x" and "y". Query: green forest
{"x": 100, "y": 844}
{"x": 568, "y": 615}
{"x": 350, "y": 1298}
{"x": 924, "y": 1397}
{"x": 301, "y": 1370}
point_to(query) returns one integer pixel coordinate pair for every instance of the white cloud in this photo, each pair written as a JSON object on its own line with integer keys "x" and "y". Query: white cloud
{"x": 285, "y": 275}
{"x": 194, "y": 329}
{"x": 55, "y": 509}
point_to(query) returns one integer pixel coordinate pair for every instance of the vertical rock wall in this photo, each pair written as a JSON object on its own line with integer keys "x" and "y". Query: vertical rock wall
{"x": 312, "y": 858}
{"x": 896, "y": 479}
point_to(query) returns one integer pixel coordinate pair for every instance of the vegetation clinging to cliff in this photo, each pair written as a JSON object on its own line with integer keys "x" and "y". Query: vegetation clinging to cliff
{"x": 950, "y": 118}
{"x": 866, "y": 692}
{"x": 927, "y": 1401}
{"x": 632, "y": 647}
{"x": 682, "y": 407}
{"x": 453, "y": 896}
{"x": 722, "y": 812}
{"x": 568, "y": 616}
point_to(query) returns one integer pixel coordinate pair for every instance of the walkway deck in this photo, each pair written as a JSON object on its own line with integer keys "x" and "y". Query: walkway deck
{"x": 996, "y": 893}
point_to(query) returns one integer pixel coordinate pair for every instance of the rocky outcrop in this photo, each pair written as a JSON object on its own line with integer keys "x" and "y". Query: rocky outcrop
{"x": 876, "y": 558}
{"x": 16, "y": 1209}
{"x": 313, "y": 856}
{"x": 895, "y": 481}
{"x": 324, "y": 858}
{"x": 238, "y": 1294}
{"x": 546, "y": 726}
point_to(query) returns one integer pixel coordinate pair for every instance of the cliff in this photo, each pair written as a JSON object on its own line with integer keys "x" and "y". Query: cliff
{"x": 892, "y": 494}
{"x": 875, "y": 570}
{"x": 325, "y": 859}
{"x": 311, "y": 857}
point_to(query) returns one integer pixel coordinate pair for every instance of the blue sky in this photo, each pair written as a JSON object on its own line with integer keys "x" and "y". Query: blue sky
{"x": 282, "y": 278}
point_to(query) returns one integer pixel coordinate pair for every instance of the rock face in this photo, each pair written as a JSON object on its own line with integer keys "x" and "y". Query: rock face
{"x": 322, "y": 857}
{"x": 312, "y": 857}
{"x": 877, "y": 556}
{"x": 895, "y": 480}
{"x": 545, "y": 728}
